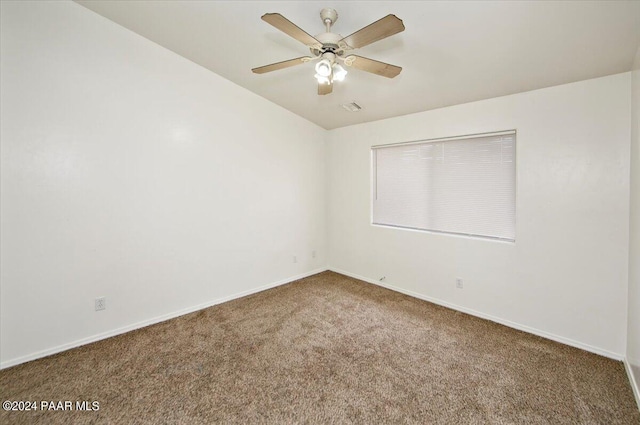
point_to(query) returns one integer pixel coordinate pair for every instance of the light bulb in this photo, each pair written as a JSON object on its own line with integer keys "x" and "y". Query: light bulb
{"x": 322, "y": 79}
{"x": 324, "y": 68}
{"x": 339, "y": 73}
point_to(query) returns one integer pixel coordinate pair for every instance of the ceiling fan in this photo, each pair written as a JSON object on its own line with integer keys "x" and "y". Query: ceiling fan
{"x": 330, "y": 48}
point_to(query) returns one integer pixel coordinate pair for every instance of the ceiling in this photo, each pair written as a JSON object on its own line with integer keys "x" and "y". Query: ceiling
{"x": 450, "y": 52}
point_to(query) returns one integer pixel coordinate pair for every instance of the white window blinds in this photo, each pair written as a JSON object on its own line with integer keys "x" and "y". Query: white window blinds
{"x": 463, "y": 185}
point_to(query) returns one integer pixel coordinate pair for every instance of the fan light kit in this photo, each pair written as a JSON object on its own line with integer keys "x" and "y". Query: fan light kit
{"x": 329, "y": 48}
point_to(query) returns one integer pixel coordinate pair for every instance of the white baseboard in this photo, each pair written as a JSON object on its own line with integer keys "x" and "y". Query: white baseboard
{"x": 632, "y": 381}
{"x": 152, "y": 321}
{"x": 158, "y": 319}
{"x": 508, "y": 323}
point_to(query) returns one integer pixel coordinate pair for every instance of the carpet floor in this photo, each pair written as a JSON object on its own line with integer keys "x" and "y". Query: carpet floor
{"x": 327, "y": 349}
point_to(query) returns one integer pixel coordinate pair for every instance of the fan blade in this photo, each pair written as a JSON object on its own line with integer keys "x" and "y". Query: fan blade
{"x": 382, "y": 28}
{"x": 373, "y": 66}
{"x": 324, "y": 88}
{"x": 281, "y": 65}
{"x": 291, "y": 29}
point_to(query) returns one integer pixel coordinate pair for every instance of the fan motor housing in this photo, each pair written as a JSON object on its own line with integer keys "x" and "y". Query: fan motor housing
{"x": 329, "y": 42}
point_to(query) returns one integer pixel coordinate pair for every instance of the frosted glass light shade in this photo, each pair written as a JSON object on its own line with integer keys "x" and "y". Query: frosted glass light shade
{"x": 323, "y": 68}
{"x": 339, "y": 73}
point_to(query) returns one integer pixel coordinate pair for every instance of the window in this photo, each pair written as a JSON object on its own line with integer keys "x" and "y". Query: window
{"x": 463, "y": 185}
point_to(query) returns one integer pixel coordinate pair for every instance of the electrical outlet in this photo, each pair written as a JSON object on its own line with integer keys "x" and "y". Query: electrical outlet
{"x": 313, "y": 254}
{"x": 459, "y": 283}
{"x": 295, "y": 259}
{"x": 101, "y": 303}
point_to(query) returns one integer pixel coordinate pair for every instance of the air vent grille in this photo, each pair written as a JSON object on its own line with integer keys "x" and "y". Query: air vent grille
{"x": 352, "y": 107}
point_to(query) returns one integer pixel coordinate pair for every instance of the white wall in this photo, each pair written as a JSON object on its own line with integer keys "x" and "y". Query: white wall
{"x": 132, "y": 173}
{"x": 566, "y": 275}
{"x": 633, "y": 327}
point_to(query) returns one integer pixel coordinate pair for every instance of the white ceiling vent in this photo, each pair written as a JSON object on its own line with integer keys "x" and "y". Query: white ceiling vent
{"x": 352, "y": 107}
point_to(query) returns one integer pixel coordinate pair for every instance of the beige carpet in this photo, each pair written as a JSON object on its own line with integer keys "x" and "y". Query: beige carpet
{"x": 323, "y": 350}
